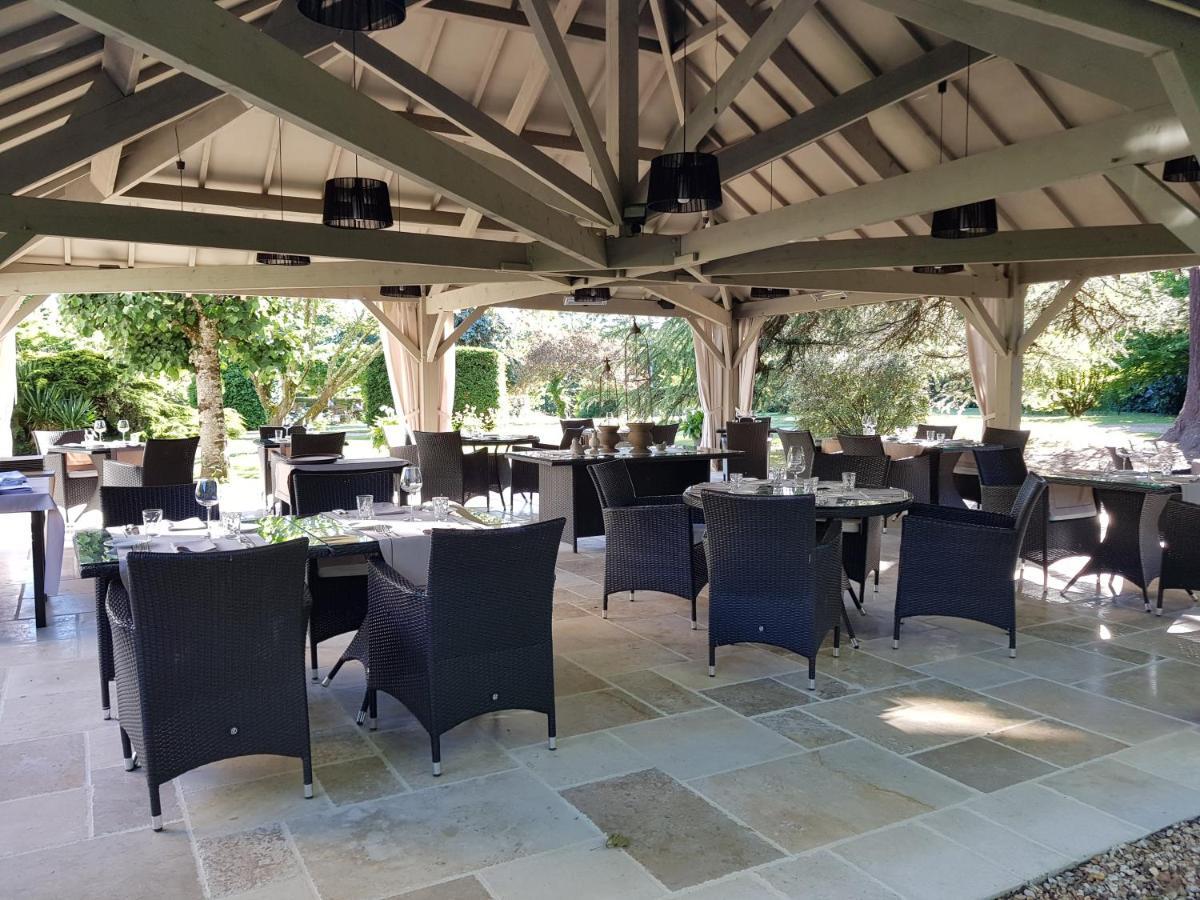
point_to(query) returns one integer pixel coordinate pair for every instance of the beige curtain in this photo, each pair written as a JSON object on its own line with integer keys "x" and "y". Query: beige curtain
{"x": 8, "y": 390}
{"x": 404, "y": 372}
{"x": 711, "y": 374}
{"x": 748, "y": 330}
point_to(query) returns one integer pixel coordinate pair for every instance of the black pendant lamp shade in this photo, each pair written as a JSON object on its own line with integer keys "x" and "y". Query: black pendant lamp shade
{"x": 282, "y": 259}
{"x": 687, "y": 182}
{"x": 357, "y": 203}
{"x": 591, "y": 293}
{"x": 354, "y": 15}
{"x": 952, "y": 269}
{"x": 970, "y": 220}
{"x": 401, "y": 291}
{"x": 761, "y": 293}
{"x": 1185, "y": 168}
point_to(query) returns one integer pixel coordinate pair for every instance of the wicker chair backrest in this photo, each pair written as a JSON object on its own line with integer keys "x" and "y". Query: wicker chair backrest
{"x": 1002, "y": 466}
{"x": 742, "y": 544}
{"x": 799, "y": 437}
{"x": 47, "y": 439}
{"x": 318, "y": 492}
{"x": 441, "y": 454}
{"x": 861, "y": 444}
{"x": 1178, "y": 525}
{"x": 305, "y": 444}
{"x": 665, "y": 434}
{"x": 576, "y": 423}
{"x": 568, "y": 435}
{"x": 124, "y": 505}
{"x": 480, "y": 602}
{"x": 614, "y": 485}
{"x": 924, "y": 432}
{"x": 1006, "y": 437}
{"x": 1026, "y": 501}
{"x": 169, "y": 460}
{"x": 751, "y": 438}
{"x": 869, "y": 471}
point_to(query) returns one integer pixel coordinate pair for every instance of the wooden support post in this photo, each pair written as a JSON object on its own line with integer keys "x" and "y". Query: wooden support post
{"x": 1009, "y": 368}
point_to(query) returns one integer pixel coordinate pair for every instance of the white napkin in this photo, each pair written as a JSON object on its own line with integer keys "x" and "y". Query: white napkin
{"x": 192, "y": 524}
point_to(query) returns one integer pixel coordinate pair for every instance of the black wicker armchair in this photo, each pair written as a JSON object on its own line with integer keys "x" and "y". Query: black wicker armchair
{"x": 1179, "y": 533}
{"x": 962, "y": 562}
{"x": 770, "y": 580}
{"x": 802, "y": 440}
{"x": 123, "y": 506}
{"x": 750, "y": 437}
{"x": 861, "y": 549}
{"x": 477, "y": 639}
{"x": 925, "y": 432}
{"x": 576, "y": 423}
{"x": 338, "y": 586}
{"x": 318, "y": 443}
{"x": 76, "y": 477}
{"x": 164, "y": 461}
{"x": 861, "y": 444}
{"x": 648, "y": 541}
{"x": 448, "y": 472}
{"x": 208, "y": 647}
{"x": 966, "y": 476}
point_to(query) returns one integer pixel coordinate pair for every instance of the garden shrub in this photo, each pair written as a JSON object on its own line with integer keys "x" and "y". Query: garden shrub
{"x": 376, "y": 389}
{"x": 240, "y": 395}
{"x": 479, "y": 381}
{"x": 832, "y": 392}
{"x": 1151, "y": 374}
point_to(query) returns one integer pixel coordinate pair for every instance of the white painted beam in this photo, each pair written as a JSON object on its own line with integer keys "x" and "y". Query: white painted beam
{"x": 811, "y": 303}
{"x": 696, "y": 304}
{"x": 566, "y": 80}
{"x": 486, "y": 295}
{"x": 621, "y": 91}
{"x": 659, "y": 13}
{"x": 983, "y": 284}
{"x": 12, "y": 245}
{"x": 1159, "y": 203}
{"x": 1136, "y": 137}
{"x": 409, "y": 345}
{"x": 209, "y": 43}
{"x": 121, "y": 65}
{"x": 1063, "y": 296}
{"x": 1180, "y": 74}
{"x": 844, "y": 109}
{"x": 459, "y": 330}
{"x": 978, "y": 317}
{"x": 1041, "y": 272}
{"x": 1144, "y": 28}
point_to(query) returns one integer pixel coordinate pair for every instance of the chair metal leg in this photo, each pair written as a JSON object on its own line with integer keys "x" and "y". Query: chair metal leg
{"x": 812, "y": 673}
{"x": 837, "y": 641}
{"x": 127, "y": 751}
{"x": 155, "y": 808}
{"x": 896, "y": 634}
{"x": 362, "y": 710}
{"x": 308, "y": 778}
{"x": 712, "y": 660}
{"x": 104, "y": 699}
{"x": 1012, "y": 642}
{"x": 849, "y": 628}
{"x": 313, "y": 658}
{"x": 332, "y": 672}
{"x": 435, "y": 743}
{"x": 551, "y": 730}
{"x": 373, "y": 713}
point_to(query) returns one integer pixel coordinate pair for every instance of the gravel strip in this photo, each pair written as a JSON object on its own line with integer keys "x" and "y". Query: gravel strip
{"x": 1165, "y": 864}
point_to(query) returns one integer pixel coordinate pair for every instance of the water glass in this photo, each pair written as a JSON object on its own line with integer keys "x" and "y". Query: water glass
{"x": 365, "y": 504}
{"x": 849, "y": 479}
{"x": 410, "y": 481}
{"x": 232, "y": 522}
{"x": 441, "y": 509}
{"x": 811, "y": 485}
{"x": 776, "y": 475}
{"x": 152, "y": 521}
{"x": 206, "y": 496}
{"x": 735, "y": 478}
{"x": 280, "y": 434}
{"x": 868, "y": 423}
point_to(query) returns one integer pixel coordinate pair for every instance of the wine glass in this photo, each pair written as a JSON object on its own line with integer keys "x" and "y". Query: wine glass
{"x": 796, "y": 463}
{"x": 99, "y": 427}
{"x": 206, "y": 496}
{"x": 868, "y": 423}
{"x": 123, "y": 427}
{"x": 410, "y": 482}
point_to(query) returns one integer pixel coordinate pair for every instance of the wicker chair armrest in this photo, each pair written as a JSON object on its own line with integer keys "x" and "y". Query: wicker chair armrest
{"x": 122, "y": 474}
{"x": 398, "y": 603}
{"x": 655, "y": 517}
{"x": 540, "y": 445}
{"x": 971, "y": 517}
{"x": 832, "y": 533}
{"x": 827, "y": 578}
{"x": 116, "y": 603}
{"x": 476, "y": 463}
{"x": 660, "y": 500}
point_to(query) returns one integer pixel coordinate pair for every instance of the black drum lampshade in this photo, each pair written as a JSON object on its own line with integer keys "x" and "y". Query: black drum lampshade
{"x": 357, "y": 203}
{"x": 354, "y": 15}
{"x": 401, "y": 291}
{"x": 970, "y": 220}
{"x": 684, "y": 183}
{"x": 1185, "y": 168}
{"x": 591, "y": 293}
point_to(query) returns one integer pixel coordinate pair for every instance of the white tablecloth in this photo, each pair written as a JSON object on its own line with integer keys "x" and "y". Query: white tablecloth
{"x": 40, "y": 498}
{"x": 281, "y": 467}
{"x": 192, "y": 541}
{"x": 406, "y": 547}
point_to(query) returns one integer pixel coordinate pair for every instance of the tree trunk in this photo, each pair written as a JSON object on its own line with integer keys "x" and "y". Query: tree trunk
{"x": 206, "y": 363}
{"x": 1186, "y": 430}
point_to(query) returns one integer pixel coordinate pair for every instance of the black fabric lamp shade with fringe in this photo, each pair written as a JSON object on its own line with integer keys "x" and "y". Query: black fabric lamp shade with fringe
{"x": 354, "y": 15}
{"x": 401, "y": 291}
{"x": 684, "y": 183}
{"x": 967, "y": 221}
{"x": 1184, "y": 168}
{"x": 357, "y": 203}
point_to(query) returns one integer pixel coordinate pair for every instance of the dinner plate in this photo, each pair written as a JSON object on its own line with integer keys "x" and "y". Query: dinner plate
{"x": 314, "y": 459}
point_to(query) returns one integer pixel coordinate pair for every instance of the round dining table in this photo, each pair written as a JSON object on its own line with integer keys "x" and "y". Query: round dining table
{"x": 833, "y": 501}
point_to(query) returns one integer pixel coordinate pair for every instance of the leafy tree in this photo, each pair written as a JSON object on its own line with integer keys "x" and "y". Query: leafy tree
{"x": 240, "y": 395}
{"x": 1186, "y": 430}
{"x": 376, "y": 389}
{"x": 170, "y": 333}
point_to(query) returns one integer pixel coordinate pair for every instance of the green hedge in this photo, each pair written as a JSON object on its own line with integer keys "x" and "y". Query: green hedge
{"x": 376, "y": 389}
{"x": 479, "y": 380}
{"x": 240, "y": 395}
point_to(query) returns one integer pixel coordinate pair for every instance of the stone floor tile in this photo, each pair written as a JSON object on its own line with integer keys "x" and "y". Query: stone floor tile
{"x": 467, "y": 888}
{"x": 763, "y": 695}
{"x": 703, "y": 742}
{"x": 1128, "y": 793}
{"x": 808, "y": 800}
{"x": 588, "y": 871}
{"x": 734, "y": 664}
{"x": 41, "y": 766}
{"x": 1007, "y": 849}
{"x": 674, "y": 632}
{"x": 572, "y": 679}
{"x": 865, "y": 671}
{"x": 356, "y": 780}
{"x": 236, "y": 807}
{"x": 923, "y": 865}
{"x": 121, "y": 800}
{"x": 339, "y": 744}
{"x": 1054, "y": 820}
{"x": 649, "y": 807}
{"x": 1175, "y": 757}
{"x": 229, "y": 771}
{"x": 46, "y": 820}
{"x": 919, "y": 716}
{"x": 827, "y": 688}
{"x": 822, "y": 876}
{"x": 1119, "y": 721}
{"x": 970, "y": 672}
{"x": 738, "y": 887}
{"x": 467, "y": 752}
{"x": 135, "y": 865}
{"x": 46, "y": 679}
{"x": 630, "y": 655}
{"x": 246, "y": 860}
{"x": 1056, "y": 742}
{"x": 27, "y": 718}
{"x": 1168, "y": 687}
{"x": 807, "y": 731}
{"x": 588, "y": 757}
{"x": 398, "y": 843}
{"x": 662, "y": 693}
{"x": 929, "y": 645}
{"x": 295, "y": 888}
{"x": 1057, "y": 662}
{"x": 983, "y": 765}
{"x": 1162, "y": 641}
